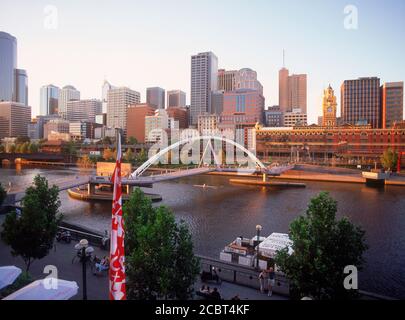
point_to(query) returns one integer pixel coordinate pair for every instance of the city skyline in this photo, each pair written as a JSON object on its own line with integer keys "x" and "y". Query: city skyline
{"x": 323, "y": 48}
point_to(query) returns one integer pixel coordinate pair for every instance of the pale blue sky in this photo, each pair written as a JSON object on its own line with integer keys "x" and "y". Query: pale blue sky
{"x": 143, "y": 43}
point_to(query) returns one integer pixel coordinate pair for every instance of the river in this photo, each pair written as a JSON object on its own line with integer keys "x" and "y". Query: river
{"x": 216, "y": 216}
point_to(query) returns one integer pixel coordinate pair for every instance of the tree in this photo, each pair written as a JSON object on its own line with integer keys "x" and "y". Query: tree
{"x": 85, "y": 162}
{"x": 389, "y": 159}
{"x": 160, "y": 260}
{"x": 2, "y": 148}
{"x": 22, "y": 139}
{"x": 33, "y": 148}
{"x": 108, "y": 155}
{"x": 70, "y": 150}
{"x": 132, "y": 141}
{"x": 24, "y": 147}
{"x": 142, "y": 156}
{"x": 129, "y": 156}
{"x": 10, "y": 148}
{"x": 3, "y": 194}
{"x": 323, "y": 247}
{"x": 31, "y": 234}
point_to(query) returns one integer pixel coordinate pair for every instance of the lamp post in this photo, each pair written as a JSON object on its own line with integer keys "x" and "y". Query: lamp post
{"x": 258, "y": 229}
{"x": 86, "y": 252}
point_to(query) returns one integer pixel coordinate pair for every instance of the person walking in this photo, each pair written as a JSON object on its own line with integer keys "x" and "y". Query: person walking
{"x": 271, "y": 282}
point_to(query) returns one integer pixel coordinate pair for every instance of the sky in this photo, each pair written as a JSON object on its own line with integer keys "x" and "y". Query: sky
{"x": 147, "y": 43}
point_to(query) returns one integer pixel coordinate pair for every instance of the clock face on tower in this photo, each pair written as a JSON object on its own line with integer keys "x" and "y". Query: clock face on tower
{"x": 330, "y": 109}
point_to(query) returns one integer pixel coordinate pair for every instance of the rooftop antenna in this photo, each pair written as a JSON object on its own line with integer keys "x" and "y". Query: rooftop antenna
{"x": 283, "y": 58}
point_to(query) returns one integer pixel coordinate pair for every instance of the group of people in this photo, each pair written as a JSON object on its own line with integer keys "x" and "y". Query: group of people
{"x": 267, "y": 280}
{"x": 212, "y": 294}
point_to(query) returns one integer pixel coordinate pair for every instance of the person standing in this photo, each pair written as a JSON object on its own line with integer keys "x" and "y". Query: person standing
{"x": 271, "y": 282}
{"x": 263, "y": 278}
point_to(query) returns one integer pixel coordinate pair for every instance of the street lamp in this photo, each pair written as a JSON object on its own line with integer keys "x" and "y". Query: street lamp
{"x": 258, "y": 229}
{"x": 86, "y": 252}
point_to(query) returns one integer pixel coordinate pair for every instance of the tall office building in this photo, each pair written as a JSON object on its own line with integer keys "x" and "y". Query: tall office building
{"x": 204, "y": 80}
{"x": 176, "y": 98}
{"x": 49, "y": 100}
{"x": 66, "y": 94}
{"x": 227, "y": 80}
{"x": 292, "y": 91}
{"x": 104, "y": 95}
{"x": 8, "y": 64}
{"x": 21, "y": 86}
{"x": 14, "y": 119}
{"x": 83, "y": 110}
{"x": 156, "y": 96}
{"x": 180, "y": 115}
{"x": 283, "y": 89}
{"x": 118, "y": 101}
{"x": 247, "y": 79}
{"x": 217, "y": 102}
{"x": 360, "y": 101}
{"x": 392, "y": 103}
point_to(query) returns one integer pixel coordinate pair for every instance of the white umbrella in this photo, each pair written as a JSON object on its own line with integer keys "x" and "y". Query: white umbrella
{"x": 8, "y": 275}
{"x": 43, "y": 290}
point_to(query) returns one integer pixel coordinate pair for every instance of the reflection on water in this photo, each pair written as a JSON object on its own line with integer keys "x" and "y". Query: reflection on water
{"x": 217, "y": 216}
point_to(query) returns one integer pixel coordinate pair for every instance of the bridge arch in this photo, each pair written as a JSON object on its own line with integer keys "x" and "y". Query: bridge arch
{"x": 138, "y": 172}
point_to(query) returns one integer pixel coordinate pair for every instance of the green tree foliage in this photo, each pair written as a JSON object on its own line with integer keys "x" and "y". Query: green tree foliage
{"x": 31, "y": 235}
{"x": 3, "y": 194}
{"x": 129, "y": 156}
{"x": 69, "y": 150}
{"x": 11, "y": 148}
{"x": 21, "y": 140}
{"x": 142, "y": 156}
{"x": 323, "y": 247}
{"x": 132, "y": 141}
{"x": 2, "y": 148}
{"x": 33, "y": 148}
{"x": 160, "y": 261}
{"x": 389, "y": 159}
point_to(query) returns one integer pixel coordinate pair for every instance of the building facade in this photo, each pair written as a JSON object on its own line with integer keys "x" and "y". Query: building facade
{"x": 136, "y": 120}
{"x": 180, "y": 115}
{"x": 347, "y": 144}
{"x": 227, "y": 80}
{"x": 21, "y": 87}
{"x": 360, "y": 101}
{"x": 104, "y": 95}
{"x": 273, "y": 117}
{"x": 208, "y": 124}
{"x": 176, "y": 99}
{"x": 118, "y": 101}
{"x": 66, "y": 94}
{"x": 49, "y": 100}
{"x": 295, "y": 118}
{"x": 157, "y": 124}
{"x": 292, "y": 91}
{"x": 83, "y": 110}
{"x": 8, "y": 65}
{"x": 392, "y": 103}
{"x": 156, "y": 96}
{"x": 57, "y": 126}
{"x": 204, "y": 80}
{"x": 14, "y": 119}
{"x": 329, "y": 108}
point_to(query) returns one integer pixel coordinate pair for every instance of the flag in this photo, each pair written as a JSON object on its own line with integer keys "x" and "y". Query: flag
{"x": 117, "y": 254}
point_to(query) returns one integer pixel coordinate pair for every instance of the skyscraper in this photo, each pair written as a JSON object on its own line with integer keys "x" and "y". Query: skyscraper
{"x": 156, "y": 96}
{"x": 8, "y": 64}
{"x": 247, "y": 79}
{"x": 176, "y": 98}
{"x": 106, "y": 87}
{"x": 292, "y": 91}
{"x": 21, "y": 87}
{"x": 49, "y": 100}
{"x": 392, "y": 103}
{"x": 136, "y": 120}
{"x": 118, "y": 101}
{"x": 204, "y": 80}
{"x": 283, "y": 90}
{"x": 66, "y": 94}
{"x": 360, "y": 100}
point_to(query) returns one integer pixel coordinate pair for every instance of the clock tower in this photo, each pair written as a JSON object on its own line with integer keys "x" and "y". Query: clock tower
{"x": 329, "y": 107}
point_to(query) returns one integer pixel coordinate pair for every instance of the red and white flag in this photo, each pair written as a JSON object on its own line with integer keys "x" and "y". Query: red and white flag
{"x": 117, "y": 254}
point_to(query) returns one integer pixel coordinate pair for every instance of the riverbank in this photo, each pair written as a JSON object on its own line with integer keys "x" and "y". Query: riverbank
{"x": 82, "y": 195}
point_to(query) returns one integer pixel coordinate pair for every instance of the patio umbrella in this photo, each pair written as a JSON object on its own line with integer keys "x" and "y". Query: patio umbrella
{"x": 38, "y": 290}
{"x": 8, "y": 275}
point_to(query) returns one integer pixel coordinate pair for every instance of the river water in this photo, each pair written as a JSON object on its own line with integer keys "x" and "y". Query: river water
{"x": 216, "y": 216}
